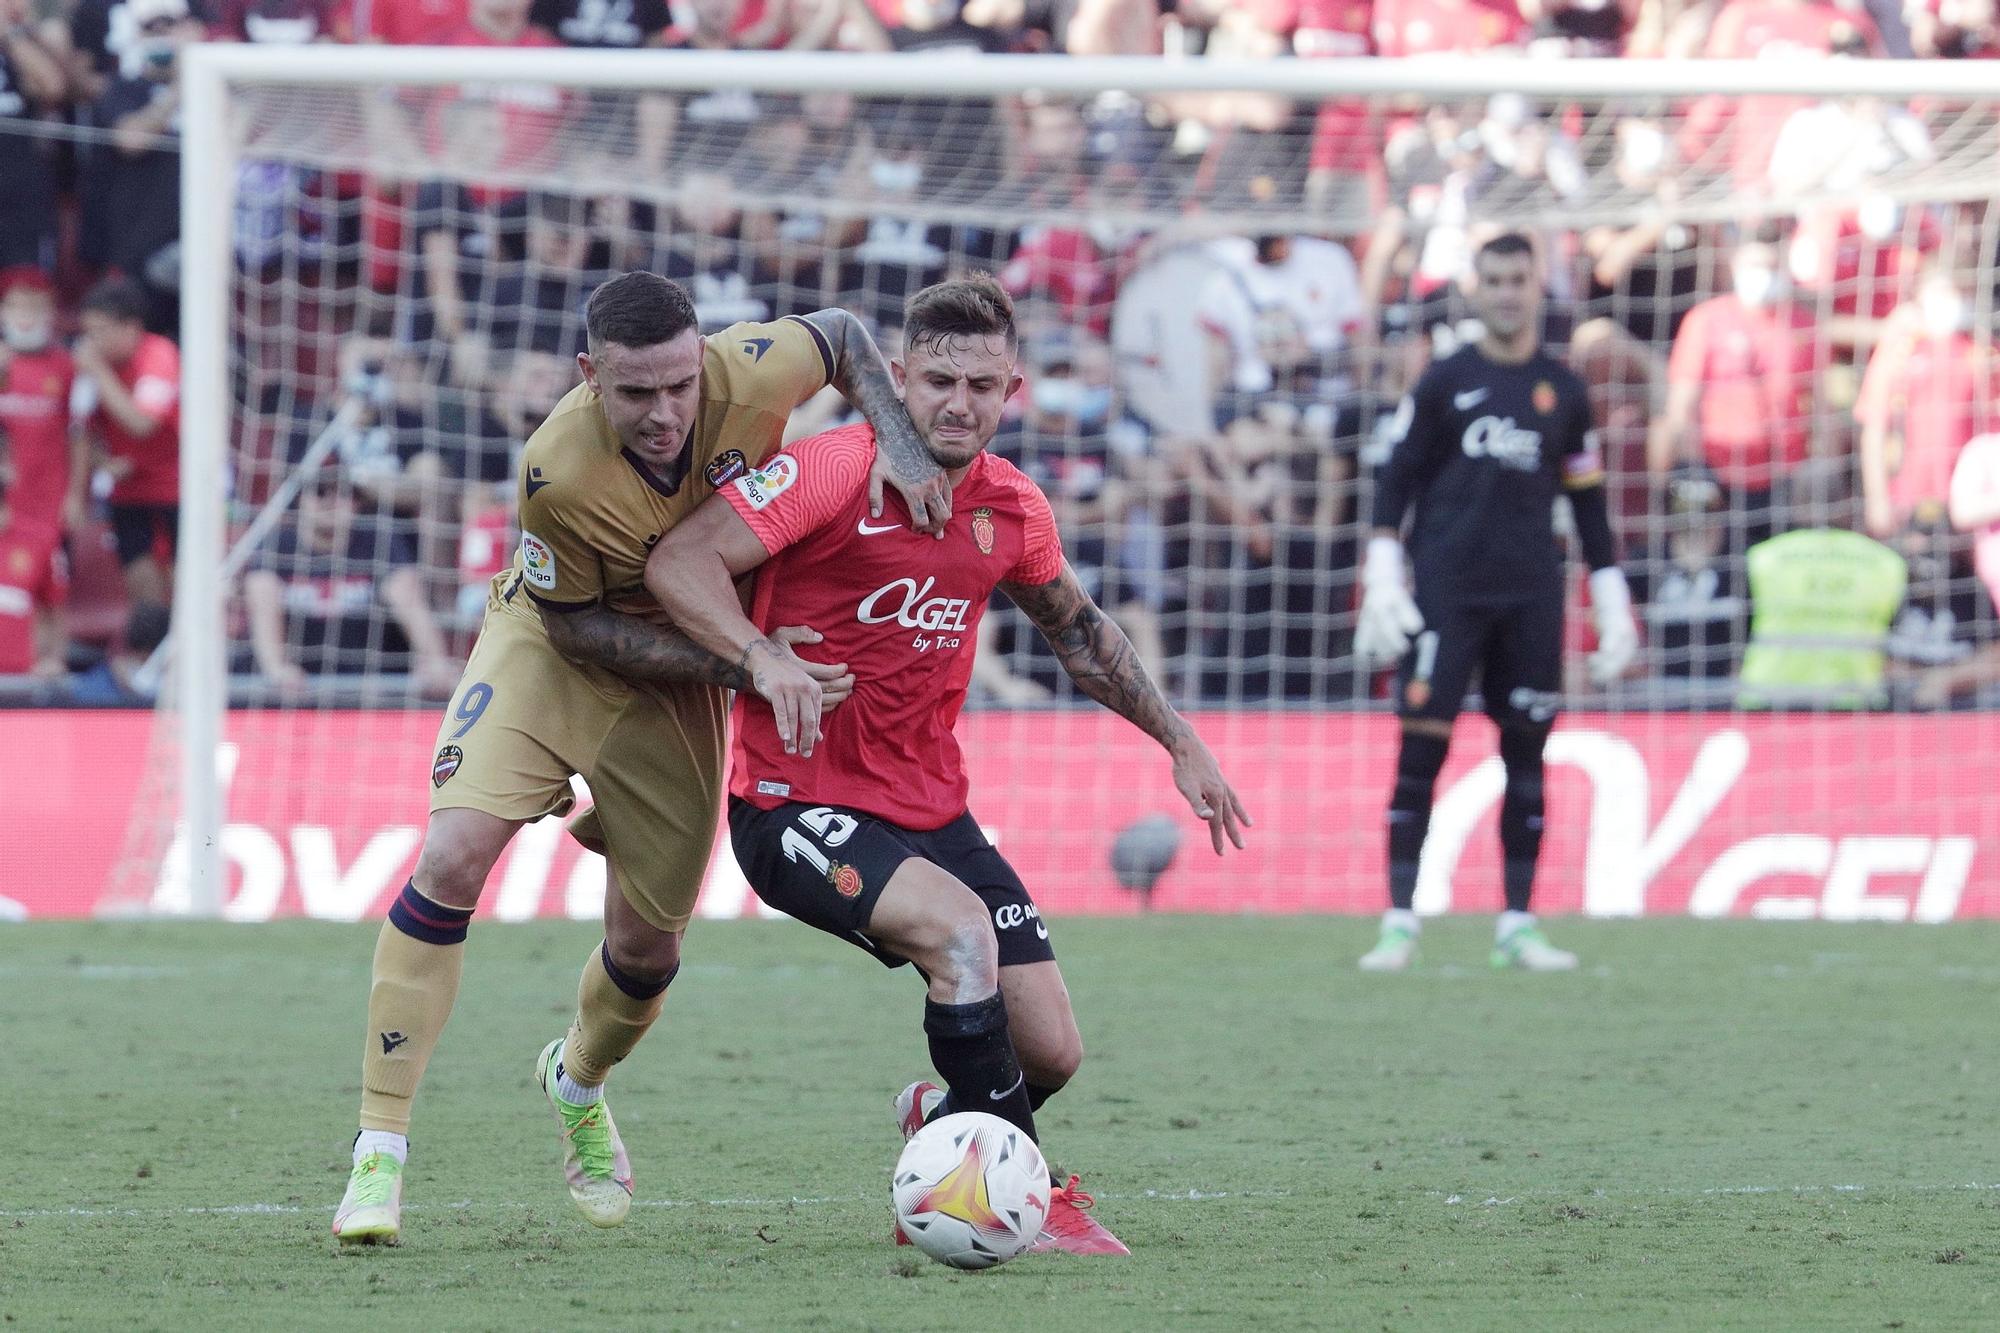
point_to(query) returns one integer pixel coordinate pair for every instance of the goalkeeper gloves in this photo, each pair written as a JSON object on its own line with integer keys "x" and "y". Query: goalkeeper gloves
{"x": 1617, "y": 632}
{"x": 1389, "y": 616}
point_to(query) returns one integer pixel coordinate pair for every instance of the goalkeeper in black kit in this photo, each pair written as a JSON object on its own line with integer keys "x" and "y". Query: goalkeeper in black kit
{"x": 1485, "y": 442}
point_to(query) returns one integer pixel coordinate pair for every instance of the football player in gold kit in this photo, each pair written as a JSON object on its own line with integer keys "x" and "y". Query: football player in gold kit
{"x": 577, "y": 672}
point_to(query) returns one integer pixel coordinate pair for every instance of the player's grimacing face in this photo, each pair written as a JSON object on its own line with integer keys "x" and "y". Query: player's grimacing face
{"x": 955, "y": 387}
{"x": 1508, "y": 292}
{"x": 650, "y": 394}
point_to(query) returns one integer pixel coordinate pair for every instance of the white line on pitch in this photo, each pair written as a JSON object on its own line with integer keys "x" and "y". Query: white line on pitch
{"x": 256, "y": 1209}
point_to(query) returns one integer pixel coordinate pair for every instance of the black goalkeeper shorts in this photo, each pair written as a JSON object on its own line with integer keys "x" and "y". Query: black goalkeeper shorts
{"x": 1515, "y": 650}
{"x": 826, "y": 865}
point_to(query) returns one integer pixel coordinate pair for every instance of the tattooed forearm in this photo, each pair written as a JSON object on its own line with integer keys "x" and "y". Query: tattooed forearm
{"x": 1098, "y": 656}
{"x": 862, "y": 377}
{"x": 638, "y": 649}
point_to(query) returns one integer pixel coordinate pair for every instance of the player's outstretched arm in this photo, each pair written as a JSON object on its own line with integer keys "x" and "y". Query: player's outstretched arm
{"x": 640, "y": 650}
{"x": 863, "y": 378}
{"x": 692, "y": 572}
{"x": 1100, "y": 659}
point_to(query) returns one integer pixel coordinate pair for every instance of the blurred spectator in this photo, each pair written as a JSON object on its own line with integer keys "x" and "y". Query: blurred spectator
{"x": 1975, "y": 511}
{"x": 409, "y": 22}
{"x": 1742, "y": 381}
{"x": 1647, "y": 273}
{"x": 339, "y": 593}
{"x": 1588, "y": 29}
{"x": 33, "y": 585}
{"x": 129, "y": 395}
{"x": 1422, "y": 27}
{"x": 537, "y": 302}
{"x": 283, "y": 22}
{"x": 964, "y": 142}
{"x": 1283, "y": 315}
{"x": 131, "y": 189}
{"x": 1954, "y": 29}
{"x": 47, "y": 462}
{"x": 1075, "y": 444}
{"x": 593, "y": 23}
{"x": 31, "y": 81}
{"x": 903, "y": 249}
{"x": 383, "y": 423}
{"x": 104, "y": 42}
{"x": 1929, "y": 389}
{"x": 1821, "y": 601}
{"x": 705, "y": 253}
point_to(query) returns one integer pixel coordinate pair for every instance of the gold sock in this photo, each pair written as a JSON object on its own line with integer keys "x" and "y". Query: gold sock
{"x": 418, "y": 957}
{"x": 610, "y": 1019}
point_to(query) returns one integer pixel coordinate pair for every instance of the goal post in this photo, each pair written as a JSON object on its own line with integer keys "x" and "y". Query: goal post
{"x": 267, "y": 336}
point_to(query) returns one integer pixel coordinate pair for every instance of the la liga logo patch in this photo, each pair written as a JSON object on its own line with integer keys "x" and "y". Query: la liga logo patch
{"x": 538, "y": 562}
{"x": 778, "y": 475}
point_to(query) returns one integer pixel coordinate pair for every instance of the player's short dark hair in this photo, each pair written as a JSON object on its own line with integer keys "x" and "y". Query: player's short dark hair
{"x": 117, "y": 298}
{"x": 1506, "y": 243}
{"x": 974, "y": 304}
{"x": 638, "y": 310}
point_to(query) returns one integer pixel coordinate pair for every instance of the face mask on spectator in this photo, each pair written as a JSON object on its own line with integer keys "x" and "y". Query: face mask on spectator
{"x": 1756, "y": 285}
{"x": 1945, "y": 312}
{"x": 896, "y": 177}
{"x": 24, "y": 335}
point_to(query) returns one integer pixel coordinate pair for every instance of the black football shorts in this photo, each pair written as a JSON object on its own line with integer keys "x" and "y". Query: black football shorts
{"x": 826, "y": 865}
{"x": 1514, "y": 649}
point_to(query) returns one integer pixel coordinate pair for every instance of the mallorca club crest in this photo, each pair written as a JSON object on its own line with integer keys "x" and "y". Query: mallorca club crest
{"x": 726, "y": 467}
{"x": 846, "y": 880}
{"x": 982, "y": 529}
{"x": 1545, "y": 397}
{"x": 447, "y": 762}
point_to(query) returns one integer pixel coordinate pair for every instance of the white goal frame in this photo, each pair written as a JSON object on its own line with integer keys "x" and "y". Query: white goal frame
{"x": 213, "y": 73}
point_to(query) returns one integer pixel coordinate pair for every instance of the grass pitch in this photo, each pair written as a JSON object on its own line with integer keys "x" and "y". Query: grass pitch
{"x": 1713, "y": 1125}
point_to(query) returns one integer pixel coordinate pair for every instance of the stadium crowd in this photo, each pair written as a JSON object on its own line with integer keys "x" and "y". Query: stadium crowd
{"x": 1202, "y": 408}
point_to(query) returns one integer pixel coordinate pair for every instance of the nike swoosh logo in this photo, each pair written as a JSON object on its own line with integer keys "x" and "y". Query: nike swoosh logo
{"x": 867, "y": 529}
{"x": 1041, "y": 931}
{"x": 1468, "y": 400}
{"x": 1003, "y": 1096}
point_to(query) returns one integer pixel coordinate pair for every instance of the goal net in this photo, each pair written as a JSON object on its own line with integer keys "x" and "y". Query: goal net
{"x": 1777, "y": 279}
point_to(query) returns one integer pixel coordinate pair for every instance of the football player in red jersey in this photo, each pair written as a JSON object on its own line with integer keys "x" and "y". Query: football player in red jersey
{"x": 857, "y": 823}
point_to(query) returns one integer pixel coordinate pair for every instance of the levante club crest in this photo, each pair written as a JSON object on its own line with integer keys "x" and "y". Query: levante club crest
{"x": 982, "y": 529}
{"x": 446, "y": 764}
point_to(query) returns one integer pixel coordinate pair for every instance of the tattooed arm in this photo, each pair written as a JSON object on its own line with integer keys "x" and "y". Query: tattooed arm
{"x": 1100, "y": 659}
{"x": 637, "y": 649}
{"x": 902, "y": 459}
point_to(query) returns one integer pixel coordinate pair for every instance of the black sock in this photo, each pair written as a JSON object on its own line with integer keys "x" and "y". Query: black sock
{"x": 1521, "y": 809}
{"x": 974, "y": 1053}
{"x": 1417, "y": 765}
{"x": 1038, "y": 1095}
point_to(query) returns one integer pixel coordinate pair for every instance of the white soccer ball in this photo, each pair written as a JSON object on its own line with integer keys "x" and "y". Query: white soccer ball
{"x": 971, "y": 1190}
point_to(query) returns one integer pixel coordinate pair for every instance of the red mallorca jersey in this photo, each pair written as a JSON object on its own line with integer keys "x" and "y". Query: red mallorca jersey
{"x": 901, "y": 608}
{"x": 34, "y": 421}
{"x": 33, "y": 576}
{"x": 153, "y": 378}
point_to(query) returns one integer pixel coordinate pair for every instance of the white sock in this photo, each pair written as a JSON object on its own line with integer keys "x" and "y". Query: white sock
{"x": 1401, "y": 917}
{"x": 1512, "y": 921}
{"x": 573, "y": 1092}
{"x": 383, "y": 1141}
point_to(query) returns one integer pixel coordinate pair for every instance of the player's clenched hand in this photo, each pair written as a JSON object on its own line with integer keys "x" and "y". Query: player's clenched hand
{"x": 1200, "y": 779}
{"x": 791, "y": 691}
{"x": 929, "y": 499}
{"x": 836, "y": 682}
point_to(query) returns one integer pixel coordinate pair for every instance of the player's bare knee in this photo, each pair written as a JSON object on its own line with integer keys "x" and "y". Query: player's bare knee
{"x": 1053, "y": 1064}
{"x": 460, "y": 849}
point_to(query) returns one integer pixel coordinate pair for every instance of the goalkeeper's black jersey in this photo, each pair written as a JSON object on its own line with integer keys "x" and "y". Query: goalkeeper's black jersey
{"x": 1482, "y": 450}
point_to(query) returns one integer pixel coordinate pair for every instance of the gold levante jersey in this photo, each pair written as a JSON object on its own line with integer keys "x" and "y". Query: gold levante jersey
{"x": 591, "y": 512}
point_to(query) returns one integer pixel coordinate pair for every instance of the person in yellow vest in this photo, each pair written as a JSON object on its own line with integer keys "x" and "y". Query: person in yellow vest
{"x": 1821, "y": 601}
